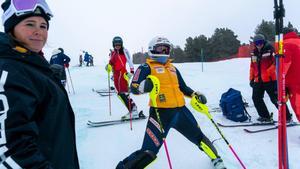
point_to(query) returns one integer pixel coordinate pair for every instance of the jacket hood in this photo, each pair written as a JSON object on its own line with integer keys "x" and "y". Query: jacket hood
{"x": 290, "y": 35}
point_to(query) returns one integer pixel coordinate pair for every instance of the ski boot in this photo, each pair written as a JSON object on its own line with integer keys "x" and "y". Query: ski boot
{"x": 266, "y": 119}
{"x": 289, "y": 119}
{"x": 218, "y": 163}
{"x": 134, "y": 114}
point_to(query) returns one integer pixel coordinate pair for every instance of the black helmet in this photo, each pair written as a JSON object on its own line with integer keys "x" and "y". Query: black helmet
{"x": 61, "y": 49}
{"x": 117, "y": 40}
{"x": 259, "y": 37}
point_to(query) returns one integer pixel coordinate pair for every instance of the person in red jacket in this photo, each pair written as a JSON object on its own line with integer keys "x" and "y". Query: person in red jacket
{"x": 117, "y": 63}
{"x": 263, "y": 78}
{"x": 291, "y": 45}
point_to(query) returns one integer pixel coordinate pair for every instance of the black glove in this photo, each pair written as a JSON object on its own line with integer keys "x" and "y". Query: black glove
{"x": 200, "y": 96}
{"x": 252, "y": 83}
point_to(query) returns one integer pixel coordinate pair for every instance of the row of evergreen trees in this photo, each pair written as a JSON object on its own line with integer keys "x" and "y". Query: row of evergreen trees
{"x": 221, "y": 45}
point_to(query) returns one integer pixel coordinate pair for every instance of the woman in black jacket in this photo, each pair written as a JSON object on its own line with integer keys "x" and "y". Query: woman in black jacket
{"x": 36, "y": 118}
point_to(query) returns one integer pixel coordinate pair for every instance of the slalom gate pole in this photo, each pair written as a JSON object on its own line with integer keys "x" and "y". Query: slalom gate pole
{"x": 129, "y": 99}
{"x": 109, "y": 98}
{"x": 202, "y": 108}
{"x": 153, "y": 95}
{"x": 71, "y": 80}
{"x": 279, "y": 13}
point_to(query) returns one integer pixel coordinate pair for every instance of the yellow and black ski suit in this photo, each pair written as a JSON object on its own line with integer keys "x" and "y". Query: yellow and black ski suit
{"x": 172, "y": 111}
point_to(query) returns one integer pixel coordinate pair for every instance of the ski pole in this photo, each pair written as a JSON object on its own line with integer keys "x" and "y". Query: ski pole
{"x": 68, "y": 88}
{"x": 200, "y": 107}
{"x": 71, "y": 80}
{"x": 129, "y": 99}
{"x": 109, "y": 98}
{"x": 153, "y": 95}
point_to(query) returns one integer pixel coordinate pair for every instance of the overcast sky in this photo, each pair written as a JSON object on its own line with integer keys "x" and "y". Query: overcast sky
{"x": 91, "y": 24}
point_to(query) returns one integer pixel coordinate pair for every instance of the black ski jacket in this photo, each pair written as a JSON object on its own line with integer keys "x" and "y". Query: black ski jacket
{"x": 36, "y": 118}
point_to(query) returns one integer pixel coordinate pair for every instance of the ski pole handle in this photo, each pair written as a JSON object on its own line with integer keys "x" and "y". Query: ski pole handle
{"x": 200, "y": 107}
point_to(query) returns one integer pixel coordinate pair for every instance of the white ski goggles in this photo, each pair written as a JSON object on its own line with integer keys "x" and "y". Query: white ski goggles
{"x": 23, "y": 7}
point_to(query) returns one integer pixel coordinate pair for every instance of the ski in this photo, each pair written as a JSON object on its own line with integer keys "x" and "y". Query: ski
{"x": 106, "y": 94}
{"x": 114, "y": 122}
{"x": 270, "y": 128}
{"x": 247, "y": 124}
{"x": 103, "y": 91}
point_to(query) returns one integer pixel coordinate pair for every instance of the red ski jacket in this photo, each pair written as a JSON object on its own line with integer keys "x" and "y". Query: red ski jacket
{"x": 262, "y": 67}
{"x": 291, "y": 46}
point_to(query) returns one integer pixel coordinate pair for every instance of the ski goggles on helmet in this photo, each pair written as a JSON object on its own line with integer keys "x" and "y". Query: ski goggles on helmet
{"x": 162, "y": 49}
{"x": 259, "y": 42}
{"x": 24, "y": 7}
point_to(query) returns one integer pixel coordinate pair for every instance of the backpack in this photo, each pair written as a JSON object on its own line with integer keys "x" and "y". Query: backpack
{"x": 233, "y": 106}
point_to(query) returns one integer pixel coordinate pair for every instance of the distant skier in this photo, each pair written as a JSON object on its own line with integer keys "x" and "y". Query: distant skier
{"x": 80, "y": 60}
{"x": 91, "y": 60}
{"x": 170, "y": 106}
{"x": 86, "y": 58}
{"x": 263, "y": 78}
{"x": 59, "y": 61}
{"x": 117, "y": 63}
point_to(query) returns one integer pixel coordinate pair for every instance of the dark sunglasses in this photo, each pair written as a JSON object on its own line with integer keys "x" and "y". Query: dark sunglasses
{"x": 118, "y": 44}
{"x": 162, "y": 49}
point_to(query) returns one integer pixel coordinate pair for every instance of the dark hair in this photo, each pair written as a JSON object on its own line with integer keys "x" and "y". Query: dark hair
{"x": 121, "y": 51}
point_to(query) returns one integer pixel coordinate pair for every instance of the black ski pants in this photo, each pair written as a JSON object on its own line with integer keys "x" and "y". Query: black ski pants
{"x": 125, "y": 98}
{"x": 258, "y": 98}
{"x": 181, "y": 119}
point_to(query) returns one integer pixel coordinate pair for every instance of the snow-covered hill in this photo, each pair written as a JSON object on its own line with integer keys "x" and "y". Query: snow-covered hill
{"x": 103, "y": 148}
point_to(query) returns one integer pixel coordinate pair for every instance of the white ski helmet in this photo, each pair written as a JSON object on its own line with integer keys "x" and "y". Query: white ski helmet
{"x": 156, "y": 53}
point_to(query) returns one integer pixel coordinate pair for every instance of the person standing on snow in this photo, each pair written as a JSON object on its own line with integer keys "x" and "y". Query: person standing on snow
{"x": 117, "y": 64}
{"x": 80, "y": 60}
{"x": 59, "y": 61}
{"x": 37, "y": 121}
{"x": 291, "y": 46}
{"x": 170, "y": 106}
{"x": 91, "y": 60}
{"x": 263, "y": 78}
{"x": 86, "y": 58}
